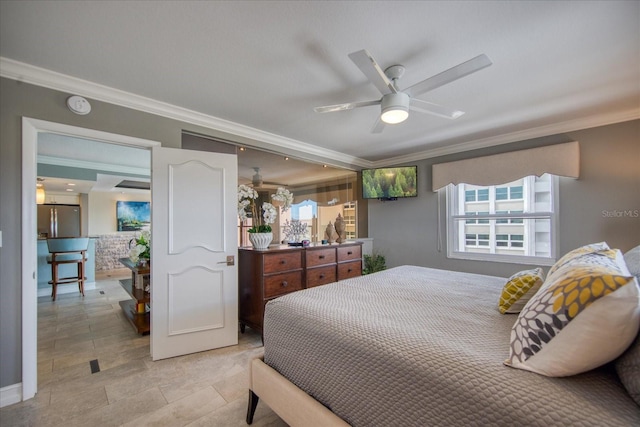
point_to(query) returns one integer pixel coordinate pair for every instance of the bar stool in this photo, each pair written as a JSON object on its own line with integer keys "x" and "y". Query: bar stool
{"x": 67, "y": 250}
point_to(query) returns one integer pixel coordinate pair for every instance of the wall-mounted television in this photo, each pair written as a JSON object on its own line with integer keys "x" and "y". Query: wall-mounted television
{"x": 133, "y": 216}
{"x": 390, "y": 183}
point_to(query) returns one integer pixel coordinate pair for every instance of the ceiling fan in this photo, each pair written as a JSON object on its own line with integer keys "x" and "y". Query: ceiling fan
{"x": 395, "y": 103}
{"x": 258, "y": 184}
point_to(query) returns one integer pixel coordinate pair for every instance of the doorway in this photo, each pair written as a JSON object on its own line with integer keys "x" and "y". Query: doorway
{"x": 30, "y": 130}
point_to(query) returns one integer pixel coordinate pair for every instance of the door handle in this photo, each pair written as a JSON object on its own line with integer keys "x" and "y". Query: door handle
{"x": 231, "y": 260}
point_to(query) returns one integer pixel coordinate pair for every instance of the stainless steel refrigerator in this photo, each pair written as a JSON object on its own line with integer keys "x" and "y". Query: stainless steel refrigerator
{"x": 58, "y": 221}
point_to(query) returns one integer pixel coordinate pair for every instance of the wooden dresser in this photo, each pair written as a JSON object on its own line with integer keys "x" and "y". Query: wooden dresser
{"x": 267, "y": 274}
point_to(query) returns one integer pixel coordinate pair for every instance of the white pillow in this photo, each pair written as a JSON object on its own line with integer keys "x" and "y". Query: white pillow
{"x": 585, "y": 314}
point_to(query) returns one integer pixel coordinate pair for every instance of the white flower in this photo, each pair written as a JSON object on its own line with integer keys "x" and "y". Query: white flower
{"x": 242, "y": 209}
{"x": 269, "y": 213}
{"x": 283, "y": 196}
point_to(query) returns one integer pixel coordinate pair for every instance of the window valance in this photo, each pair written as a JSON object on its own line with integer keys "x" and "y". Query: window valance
{"x": 559, "y": 159}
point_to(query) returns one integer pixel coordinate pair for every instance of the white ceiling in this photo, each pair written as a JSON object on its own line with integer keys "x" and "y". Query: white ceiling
{"x": 263, "y": 65}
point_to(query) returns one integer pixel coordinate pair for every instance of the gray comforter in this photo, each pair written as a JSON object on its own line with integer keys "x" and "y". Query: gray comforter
{"x": 413, "y": 346}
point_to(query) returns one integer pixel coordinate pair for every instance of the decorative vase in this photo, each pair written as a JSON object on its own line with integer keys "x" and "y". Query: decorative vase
{"x": 340, "y": 228}
{"x": 330, "y": 233}
{"x": 260, "y": 240}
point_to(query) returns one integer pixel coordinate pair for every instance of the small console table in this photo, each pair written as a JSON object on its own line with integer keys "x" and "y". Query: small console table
{"x": 136, "y": 309}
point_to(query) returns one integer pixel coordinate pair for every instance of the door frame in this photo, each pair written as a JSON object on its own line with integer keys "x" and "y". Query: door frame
{"x": 30, "y": 130}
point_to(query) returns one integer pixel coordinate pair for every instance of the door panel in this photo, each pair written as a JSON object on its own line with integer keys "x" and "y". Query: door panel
{"x": 194, "y": 293}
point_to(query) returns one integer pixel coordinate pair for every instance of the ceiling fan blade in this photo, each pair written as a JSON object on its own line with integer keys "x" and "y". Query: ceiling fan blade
{"x": 372, "y": 70}
{"x": 343, "y": 107}
{"x": 452, "y": 74}
{"x": 434, "y": 109}
{"x": 378, "y": 127}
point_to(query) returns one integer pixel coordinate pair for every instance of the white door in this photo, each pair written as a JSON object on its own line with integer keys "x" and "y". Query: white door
{"x": 194, "y": 293}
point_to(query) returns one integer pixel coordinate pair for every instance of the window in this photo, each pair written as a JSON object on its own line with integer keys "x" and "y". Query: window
{"x": 480, "y": 195}
{"x": 475, "y": 240}
{"x": 512, "y": 222}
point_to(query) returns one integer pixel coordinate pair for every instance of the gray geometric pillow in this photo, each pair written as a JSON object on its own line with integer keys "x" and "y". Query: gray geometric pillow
{"x": 628, "y": 369}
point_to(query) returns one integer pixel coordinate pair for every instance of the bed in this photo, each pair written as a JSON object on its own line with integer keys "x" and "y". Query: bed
{"x": 415, "y": 346}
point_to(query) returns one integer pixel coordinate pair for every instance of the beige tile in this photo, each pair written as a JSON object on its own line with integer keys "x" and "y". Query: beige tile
{"x": 66, "y": 404}
{"x": 137, "y": 405}
{"x": 234, "y": 415}
{"x": 235, "y": 386}
{"x": 183, "y": 411}
{"x": 81, "y": 357}
{"x": 207, "y": 388}
{"x": 144, "y": 380}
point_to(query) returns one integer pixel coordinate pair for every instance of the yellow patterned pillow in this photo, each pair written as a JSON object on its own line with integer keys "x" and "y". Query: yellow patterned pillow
{"x": 585, "y": 314}
{"x": 576, "y": 253}
{"x": 519, "y": 289}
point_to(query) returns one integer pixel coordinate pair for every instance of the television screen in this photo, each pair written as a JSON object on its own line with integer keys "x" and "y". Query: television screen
{"x": 390, "y": 183}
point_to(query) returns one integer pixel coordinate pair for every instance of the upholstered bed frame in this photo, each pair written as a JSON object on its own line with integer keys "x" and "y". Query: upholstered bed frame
{"x": 293, "y": 405}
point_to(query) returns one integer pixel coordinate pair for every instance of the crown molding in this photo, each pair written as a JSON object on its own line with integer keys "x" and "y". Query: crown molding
{"x": 50, "y": 79}
{"x": 27, "y": 73}
{"x": 523, "y": 135}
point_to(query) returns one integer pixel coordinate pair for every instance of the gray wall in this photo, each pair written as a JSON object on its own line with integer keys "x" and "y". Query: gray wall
{"x": 405, "y": 231}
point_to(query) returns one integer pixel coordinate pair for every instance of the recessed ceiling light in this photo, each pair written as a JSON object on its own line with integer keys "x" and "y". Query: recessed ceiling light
{"x": 70, "y": 184}
{"x": 324, "y": 166}
{"x": 242, "y": 148}
{"x": 69, "y": 189}
{"x": 286, "y": 158}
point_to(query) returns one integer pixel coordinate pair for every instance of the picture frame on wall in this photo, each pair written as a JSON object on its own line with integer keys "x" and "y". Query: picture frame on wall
{"x": 133, "y": 216}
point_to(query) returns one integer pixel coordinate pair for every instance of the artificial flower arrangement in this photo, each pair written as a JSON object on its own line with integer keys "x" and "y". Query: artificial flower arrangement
{"x": 295, "y": 230}
{"x": 142, "y": 248}
{"x": 266, "y": 215}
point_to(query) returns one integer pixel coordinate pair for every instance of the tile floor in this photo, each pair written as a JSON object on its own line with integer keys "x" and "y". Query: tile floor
{"x": 202, "y": 389}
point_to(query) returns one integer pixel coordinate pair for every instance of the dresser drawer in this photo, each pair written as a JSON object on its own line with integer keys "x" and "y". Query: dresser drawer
{"x": 349, "y": 253}
{"x": 284, "y": 283}
{"x": 277, "y": 262}
{"x": 320, "y": 256}
{"x": 349, "y": 269}
{"x": 321, "y": 275}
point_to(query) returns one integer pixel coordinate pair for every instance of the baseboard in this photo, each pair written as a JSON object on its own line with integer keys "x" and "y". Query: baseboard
{"x": 10, "y": 394}
{"x": 65, "y": 289}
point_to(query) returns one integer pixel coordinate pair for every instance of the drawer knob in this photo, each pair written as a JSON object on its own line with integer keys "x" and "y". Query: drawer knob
{"x": 321, "y": 276}
{"x": 321, "y": 257}
{"x": 283, "y": 262}
{"x": 284, "y": 284}
{"x": 349, "y": 270}
{"x": 349, "y": 253}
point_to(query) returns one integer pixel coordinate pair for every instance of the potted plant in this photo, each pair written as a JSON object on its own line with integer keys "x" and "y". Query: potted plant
{"x": 260, "y": 234}
{"x": 373, "y": 263}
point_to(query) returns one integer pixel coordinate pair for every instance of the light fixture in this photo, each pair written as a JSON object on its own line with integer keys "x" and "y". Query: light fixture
{"x": 286, "y": 158}
{"x": 395, "y": 108}
{"x": 40, "y": 192}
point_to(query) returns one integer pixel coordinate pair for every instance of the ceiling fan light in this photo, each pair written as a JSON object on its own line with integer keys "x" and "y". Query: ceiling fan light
{"x": 395, "y": 108}
{"x": 394, "y": 115}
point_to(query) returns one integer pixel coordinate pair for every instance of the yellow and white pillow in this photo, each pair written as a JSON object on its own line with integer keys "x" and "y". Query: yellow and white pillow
{"x": 586, "y": 314}
{"x": 519, "y": 289}
{"x": 577, "y": 253}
